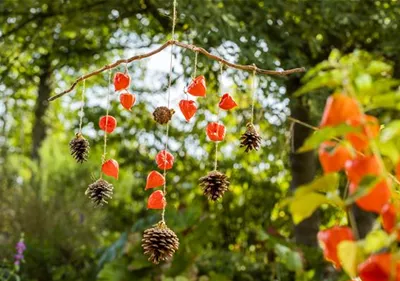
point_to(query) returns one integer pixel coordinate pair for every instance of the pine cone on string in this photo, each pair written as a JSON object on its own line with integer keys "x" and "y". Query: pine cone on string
{"x": 163, "y": 114}
{"x": 99, "y": 192}
{"x": 79, "y": 148}
{"x": 250, "y": 139}
{"x": 214, "y": 185}
{"x": 160, "y": 243}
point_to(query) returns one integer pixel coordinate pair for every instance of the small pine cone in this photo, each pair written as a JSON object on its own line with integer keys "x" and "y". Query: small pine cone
{"x": 79, "y": 148}
{"x": 99, "y": 192}
{"x": 250, "y": 139}
{"x": 160, "y": 243}
{"x": 214, "y": 185}
{"x": 163, "y": 114}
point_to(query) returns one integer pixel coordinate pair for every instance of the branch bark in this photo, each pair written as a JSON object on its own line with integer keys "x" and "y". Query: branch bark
{"x": 191, "y": 47}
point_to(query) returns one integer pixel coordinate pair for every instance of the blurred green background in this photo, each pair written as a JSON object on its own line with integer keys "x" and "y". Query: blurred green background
{"x": 46, "y": 44}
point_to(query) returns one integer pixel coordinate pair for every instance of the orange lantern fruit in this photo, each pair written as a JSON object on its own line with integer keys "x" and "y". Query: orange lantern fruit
{"x": 338, "y": 109}
{"x": 389, "y": 214}
{"x": 333, "y": 156}
{"x": 215, "y": 131}
{"x": 165, "y": 160}
{"x": 156, "y": 200}
{"x": 154, "y": 179}
{"x": 108, "y": 123}
{"x": 227, "y": 102}
{"x": 378, "y": 268}
{"x": 198, "y": 87}
{"x": 110, "y": 168}
{"x": 127, "y": 100}
{"x": 329, "y": 240}
{"x": 369, "y": 126}
{"x": 188, "y": 108}
{"x": 121, "y": 81}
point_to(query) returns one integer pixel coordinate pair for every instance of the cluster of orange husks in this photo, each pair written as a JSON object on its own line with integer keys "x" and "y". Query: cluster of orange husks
{"x": 358, "y": 161}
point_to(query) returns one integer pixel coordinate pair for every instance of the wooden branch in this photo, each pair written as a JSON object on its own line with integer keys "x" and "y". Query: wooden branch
{"x": 191, "y": 47}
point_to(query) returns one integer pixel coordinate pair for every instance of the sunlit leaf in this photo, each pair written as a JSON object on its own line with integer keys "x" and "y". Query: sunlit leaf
{"x": 376, "y": 240}
{"x": 325, "y": 183}
{"x": 347, "y": 253}
{"x": 303, "y": 206}
{"x": 327, "y": 133}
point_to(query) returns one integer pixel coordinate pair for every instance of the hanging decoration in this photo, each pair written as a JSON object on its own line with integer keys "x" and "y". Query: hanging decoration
{"x": 154, "y": 179}
{"x": 251, "y": 138}
{"x": 216, "y": 183}
{"x": 127, "y": 100}
{"x": 121, "y": 80}
{"x": 79, "y": 146}
{"x": 162, "y": 115}
{"x": 101, "y": 191}
{"x": 160, "y": 242}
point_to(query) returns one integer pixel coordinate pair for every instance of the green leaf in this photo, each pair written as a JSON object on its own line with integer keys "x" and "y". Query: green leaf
{"x": 290, "y": 258}
{"x": 348, "y": 252}
{"x": 365, "y": 185}
{"x": 331, "y": 79}
{"x": 390, "y": 150}
{"x": 376, "y": 240}
{"x": 324, "y": 134}
{"x": 390, "y": 131}
{"x": 303, "y": 206}
{"x": 363, "y": 82}
{"x": 389, "y": 100}
{"x": 326, "y": 183}
{"x": 378, "y": 67}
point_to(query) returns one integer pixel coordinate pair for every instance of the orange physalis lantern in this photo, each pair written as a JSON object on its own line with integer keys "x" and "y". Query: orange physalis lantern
{"x": 333, "y": 156}
{"x": 165, "y": 160}
{"x": 227, "y": 102}
{"x": 127, "y": 100}
{"x": 370, "y": 130}
{"x": 198, "y": 87}
{"x": 188, "y": 108}
{"x": 156, "y": 200}
{"x": 215, "y": 131}
{"x": 378, "y": 268}
{"x": 110, "y": 168}
{"x": 338, "y": 109}
{"x": 154, "y": 179}
{"x": 121, "y": 81}
{"x": 110, "y": 121}
{"x": 329, "y": 240}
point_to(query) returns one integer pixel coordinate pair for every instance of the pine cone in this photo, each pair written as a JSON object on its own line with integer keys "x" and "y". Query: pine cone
{"x": 160, "y": 243}
{"x": 99, "y": 192}
{"x": 163, "y": 114}
{"x": 214, "y": 185}
{"x": 250, "y": 139}
{"x": 79, "y": 148}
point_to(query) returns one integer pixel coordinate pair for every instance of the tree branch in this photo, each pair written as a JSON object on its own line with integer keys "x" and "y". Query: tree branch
{"x": 191, "y": 47}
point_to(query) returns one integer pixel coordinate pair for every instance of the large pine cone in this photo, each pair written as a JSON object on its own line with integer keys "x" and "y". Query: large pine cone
{"x": 214, "y": 185}
{"x": 99, "y": 192}
{"x": 250, "y": 139}
{"x": 160, "y": 243}
{"x": 79, "y": 148}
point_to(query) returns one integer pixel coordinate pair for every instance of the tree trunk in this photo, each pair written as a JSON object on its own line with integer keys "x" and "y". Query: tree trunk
{"x": 302, "y": 165}
{"x": 39, "y": 127}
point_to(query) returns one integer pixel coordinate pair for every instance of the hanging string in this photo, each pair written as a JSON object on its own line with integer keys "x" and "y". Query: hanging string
{"x": 218, "y": 111}
{"x": 82, "y": 104}
{"x": 253, "y": 94}
{"x": 195, "y": 65}
{"x": 103, "y": 157}
{"x": 169, "y": 103}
